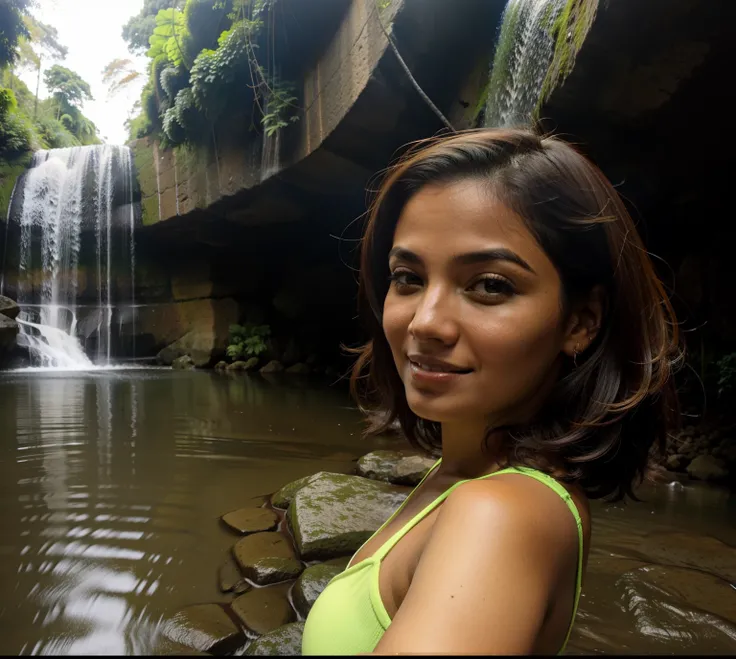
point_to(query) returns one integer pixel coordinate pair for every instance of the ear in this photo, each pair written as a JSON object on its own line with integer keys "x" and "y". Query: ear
{"x": 584, "y": 323}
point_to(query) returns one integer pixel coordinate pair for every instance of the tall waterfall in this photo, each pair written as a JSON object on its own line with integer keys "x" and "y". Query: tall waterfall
{"x": 523, "y": 56}
{"x": 74, "y": 203}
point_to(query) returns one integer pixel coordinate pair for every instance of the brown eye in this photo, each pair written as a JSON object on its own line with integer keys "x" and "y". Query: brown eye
{"x": 492, "y": 288}
{"x": 404, "y": 281}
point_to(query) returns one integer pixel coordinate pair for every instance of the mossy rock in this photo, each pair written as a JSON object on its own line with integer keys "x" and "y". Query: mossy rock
{"x": 274, "y": 366}
{"x": 334, "y": 514}
{"x": 267, "y": 558}
{"x": 9, "y": 307}
{"x": 378, "y": 465}
{"x": 221, "y": 366}
{"x": 285, "y": 641}
{"x": 264, "y": 609}
{"x": 311, "y": 583}
{"x": 286, "y": 494}
{"x": 185, "y": 363}
{"x": 410, "y": 470}
{"x": 251, "y": 520}
{"x": 204, "y": 628}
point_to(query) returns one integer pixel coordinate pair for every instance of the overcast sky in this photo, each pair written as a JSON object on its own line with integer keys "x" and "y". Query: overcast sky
{"x": 91, "y": 30}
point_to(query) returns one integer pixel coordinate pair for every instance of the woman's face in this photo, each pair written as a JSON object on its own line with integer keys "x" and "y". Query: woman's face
{"x": 473, "y": 315}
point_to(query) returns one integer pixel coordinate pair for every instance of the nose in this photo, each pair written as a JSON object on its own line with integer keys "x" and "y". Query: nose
{"x": 435, "y": 317}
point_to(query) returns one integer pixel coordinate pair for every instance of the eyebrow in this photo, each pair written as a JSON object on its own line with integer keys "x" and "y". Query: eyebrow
{"x": 471, "y": 258}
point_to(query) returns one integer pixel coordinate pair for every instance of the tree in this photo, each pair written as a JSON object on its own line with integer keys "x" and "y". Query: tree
{"x": 12, "y": 28}
{"x": 67, "y": 87}
{"x": 138, "y": 30}
{"x": 43, "y": 42}
{"x": 118, "y": 75}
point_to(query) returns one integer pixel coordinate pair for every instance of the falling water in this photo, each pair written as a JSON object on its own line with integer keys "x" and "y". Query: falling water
{"x": 522, "y": 58}
{"x": 64, "y": 192}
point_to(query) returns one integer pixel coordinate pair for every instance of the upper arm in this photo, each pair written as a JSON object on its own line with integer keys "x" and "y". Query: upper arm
{"x": 486, "y": 576}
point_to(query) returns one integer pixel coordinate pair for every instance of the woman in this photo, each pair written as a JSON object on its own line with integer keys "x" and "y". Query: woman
{"x": 520, "y": 331}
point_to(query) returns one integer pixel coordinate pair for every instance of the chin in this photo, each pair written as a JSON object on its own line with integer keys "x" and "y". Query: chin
{"x": 437, "y": 408}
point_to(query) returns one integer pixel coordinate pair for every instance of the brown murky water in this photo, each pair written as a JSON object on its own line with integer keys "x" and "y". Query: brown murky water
{"x": 111, "y": 484}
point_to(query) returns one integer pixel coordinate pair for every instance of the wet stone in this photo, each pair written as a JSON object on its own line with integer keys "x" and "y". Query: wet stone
{"x": 264, "y": 609}
{"x": 284, "y": 496}
{"x": 334, "y": 514}
{"x": 701, "y": 552}
{"x": 184, "y": 363}
{"x": 251, "y": 520}
{"x": 267, "y": 558}
{"x": 231, "y": 579}
{"x": 410, "y": 470}
{"x": 310, "y": 585}
{"x": 204, "y": 628}
{"x": 378, "y": 465}
{"x": 285, "y": 641}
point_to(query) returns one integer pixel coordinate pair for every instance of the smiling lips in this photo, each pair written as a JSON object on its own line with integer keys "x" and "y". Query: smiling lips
{"x": 430, "y": 369}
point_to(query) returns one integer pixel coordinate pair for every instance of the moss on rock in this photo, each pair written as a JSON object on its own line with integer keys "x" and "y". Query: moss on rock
{"x": 285, "y": 641}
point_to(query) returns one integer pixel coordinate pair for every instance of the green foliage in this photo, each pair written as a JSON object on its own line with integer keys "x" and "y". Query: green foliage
{"x": 8, "y": 102}
{"x": 12, "y": 29}
{"x": 168, "y": 36}
{"x": 247, "y": 340}
{"x": 727, "y": 375}
{"x": 54, "y": 134}
{"x": 280, "y": 104}
{"x": 16, "y": 134}
{"x": 206, "y": 21}
{"x": 138, "y": 30}
{"x": 67, "y": 86}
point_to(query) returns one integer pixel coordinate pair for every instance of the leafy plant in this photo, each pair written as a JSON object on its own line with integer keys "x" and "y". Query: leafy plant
{"x": 280, "y": 106}
{"x": 247, "y": 340}
{"x": 168, "y": 36}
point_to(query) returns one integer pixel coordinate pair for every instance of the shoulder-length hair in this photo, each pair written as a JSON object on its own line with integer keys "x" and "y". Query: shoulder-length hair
{"x": 604, "y": 419}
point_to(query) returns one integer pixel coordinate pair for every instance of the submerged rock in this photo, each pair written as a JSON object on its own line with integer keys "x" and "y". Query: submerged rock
{"x": 184, "y": 363}
{"x": 267, "y": 558}
{"x": 701, "y": 552}
{"x": 284, "y": 641}
{"x": 231, "y": 579}
{"x": 334, "y": 514}
{"x": 264, "y": 609}
{"x": 274, "y": 366}
{"x": 221, "y": 366}
{"x": 205, "y": 628}
{"x": 378, "y": 465}
{"x": 707, "y": 468}
{"x": 311, "y": 583}
{"x": 9, "y": 307}
{"x": 251, "y": 520}
{"x": 247, "y": 365}
{"x": 410, "y": 470}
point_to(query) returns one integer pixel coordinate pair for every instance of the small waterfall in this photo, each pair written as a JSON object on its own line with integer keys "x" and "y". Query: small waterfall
{"x": 67, "y": 194}
{"x": 522, "y": 59}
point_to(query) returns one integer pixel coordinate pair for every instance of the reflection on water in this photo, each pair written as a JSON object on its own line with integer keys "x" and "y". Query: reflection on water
{"x": 111, "y": 484}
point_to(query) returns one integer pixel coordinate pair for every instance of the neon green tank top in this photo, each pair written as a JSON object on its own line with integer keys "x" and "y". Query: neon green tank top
{"x": 349, "y": 616}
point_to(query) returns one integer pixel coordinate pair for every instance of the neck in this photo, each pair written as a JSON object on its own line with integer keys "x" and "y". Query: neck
{"x": 466, "y": 453}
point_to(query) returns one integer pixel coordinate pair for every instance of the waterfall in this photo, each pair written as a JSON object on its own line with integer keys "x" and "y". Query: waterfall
{"x": 67, "y": 195}
{"x": 521, "y": 61}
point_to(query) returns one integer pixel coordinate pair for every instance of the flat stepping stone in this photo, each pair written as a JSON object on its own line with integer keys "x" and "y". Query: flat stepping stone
{"x": 284, "y": 641}
{"x": 251, "y": 520}
{"x": 231, "y": 579}
{"x": 310, "y": 585}
{"x": 205, "y": 628}
{"x": 334, "y": 514}
{"x": 267, "y": 558}
{"x": 264, "y": 609}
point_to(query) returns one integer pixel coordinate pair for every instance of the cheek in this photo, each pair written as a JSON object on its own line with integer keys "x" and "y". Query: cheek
{"x": 396, "y": 319}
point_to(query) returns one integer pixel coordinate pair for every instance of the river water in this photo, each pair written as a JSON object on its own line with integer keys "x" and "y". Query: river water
{"x": 112, "y": 482}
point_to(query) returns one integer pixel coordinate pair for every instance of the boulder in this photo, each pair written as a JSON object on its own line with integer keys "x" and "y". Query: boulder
{"x": 221, "y": 366}
{"x": 247, "y": 365}
{"x": 334, "y": 514}
{"x": 676, "y": 462}
{"x": 274, "y": 366}
{"x": 251, "y": 520}
{"x": 298, "y": 369}
{"x": 267, "y": 558}
{"x": 411, "y": 470}
{"x": 284, "y": 496}
{"x": 204, "y": 628}
{"x": 196, "y": 344}
{"x": 707, "y": 468}
{"x": 231, "y": 579}
{"x": 284, "y": 641}
{"x": 264, "y": 609}
{"x": 378, "y": 465}
{"x": 9, "y": 307}
{"x": 184, "y": 363}
{"x": 8, "y": 332}
{"x": 310, "y": 584}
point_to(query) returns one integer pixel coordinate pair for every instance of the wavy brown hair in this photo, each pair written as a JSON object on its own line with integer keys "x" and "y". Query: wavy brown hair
{"x": 604, "y": 419}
